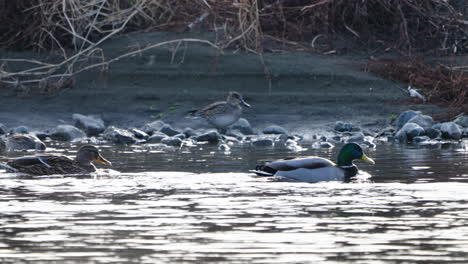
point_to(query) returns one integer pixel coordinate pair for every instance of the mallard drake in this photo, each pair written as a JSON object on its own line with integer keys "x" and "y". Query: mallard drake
{"x": 224, "y": 113}
{"x": 55, "y": 164}
{"x": 315, "y": 169}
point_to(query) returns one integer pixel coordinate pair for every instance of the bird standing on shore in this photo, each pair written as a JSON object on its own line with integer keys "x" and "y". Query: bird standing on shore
{"x": 224, "y": 113}
{"x": 315, "y": 169}
{"x": 55, "y": 164}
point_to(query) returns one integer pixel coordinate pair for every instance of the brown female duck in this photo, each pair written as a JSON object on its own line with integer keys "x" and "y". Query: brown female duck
{"x": 55, "y": 164}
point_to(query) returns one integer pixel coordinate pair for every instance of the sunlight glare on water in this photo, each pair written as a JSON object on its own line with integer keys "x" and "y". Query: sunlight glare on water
{"x": 412, "y": 209}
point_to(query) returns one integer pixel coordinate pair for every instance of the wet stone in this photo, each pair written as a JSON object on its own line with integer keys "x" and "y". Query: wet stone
{"x": 357, "y": 137}
{"x": 172, "y": 141}
{"x": 181, "y": 136}
{"x": 20, "y": 130}
{"x": 67, "y": 133}
{"x": 139, "y": 133}
{"x": 168, "y": 130}
{"x": 119, "y": 135}
{"x": 3, "y": 129}
{"x": 155, "y": 138}
{"x": 404, "y": 117}
{"x": 341, "y": 126}
{"x": 423, "y": 121}
{"x": 274, "y": 129}
{"x": 243, "y": 125}
{"x": 188, "y": 132}
{"x": 451, "y": 130}
{"x": 420, "y": 139}
{"x": 412, "y": 130}
{"x": 462, "y": 121}
{"x": 433, "y": 133}
{"x": 212, "y": 137}
{"x": 91, "y": 125}
{"x": 263, "y": 142}
{"x": 152, "y": 127}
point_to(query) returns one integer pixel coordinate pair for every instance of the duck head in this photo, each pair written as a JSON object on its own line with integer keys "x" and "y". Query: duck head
{"x": 235, "y": 98}
{"x": 350, "y": 152}
{"x": 87, "y": 154}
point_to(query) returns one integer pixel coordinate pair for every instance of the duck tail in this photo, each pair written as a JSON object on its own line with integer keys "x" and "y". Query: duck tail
{"x": 263, "y": 170}
{"x": 8, "y": 167}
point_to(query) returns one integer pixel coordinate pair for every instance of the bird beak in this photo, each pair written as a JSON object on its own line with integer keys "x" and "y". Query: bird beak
{"x": 102, "y": 160}
{"x": 367, "y": 159}
{"x": 245, "y": 104}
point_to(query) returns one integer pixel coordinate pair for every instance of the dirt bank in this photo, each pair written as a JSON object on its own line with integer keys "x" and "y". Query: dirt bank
{"x": 307, "y": 92}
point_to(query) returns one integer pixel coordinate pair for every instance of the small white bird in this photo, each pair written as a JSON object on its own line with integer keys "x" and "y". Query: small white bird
{"x": 414, "y": 93}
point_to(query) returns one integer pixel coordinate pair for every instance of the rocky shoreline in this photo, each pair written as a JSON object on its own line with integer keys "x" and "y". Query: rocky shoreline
{"x": 410, "y": 127}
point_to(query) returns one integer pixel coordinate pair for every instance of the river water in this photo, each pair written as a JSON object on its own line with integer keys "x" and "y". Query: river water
{"x": 200, "y": 205}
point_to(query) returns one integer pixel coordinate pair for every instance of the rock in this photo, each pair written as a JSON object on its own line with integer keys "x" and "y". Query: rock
{"x": 119, "y": 135}
{"x": 341, "y": 126}
{"x": 369, "y": 144}
{"x": 462, "y": 121}
{"x": 400, "y": 136}
{"x": 386, "y": 131}
{"x": 420, "y": 139}
{"x": 67, "y": 133}
{"x": 91, "y": 125}
{"x": 139, "y": 134}
{"x": 243, "y": 126}
{"x": 2, "y": 145}
{"x": 451, "y": 130}
{"x": 172, "y": 141}
{"x": 212, "y": 137}
{"x": 150, "y": 128}
{"x": 3, "y": 129}
{"x": 326, "y": 145}
{"x": 404, "y": 117}
{"x": 262, "y": 142}
{"x": 188, "y": 132}
{"x": 336, "y": 138}
{"x": 19, "y": 130}
{"x": 368, "y": 133}
{"x": 423, "y": 121}
{"x": 433, "y": 133}
{"x": 22, "y": 142}
{"x": 234, "y": 133}
{"x": 357, "y": 137}
{"x": 274, "y": 129}
{"x": 168, "y": 130}
{"x": 155, "y": 138}
{"x": 411, "y": 131}
{"x": 181, "y": 136}
{"x": 42, "y": 135}
{"x": 323, "y": 138}
{"x": 465, "y": 133}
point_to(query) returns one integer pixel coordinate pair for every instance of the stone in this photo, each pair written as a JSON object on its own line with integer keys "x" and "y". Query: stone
{"x": 420, "y": 139}
{"x": 91, "y": 125}
{"x": 462, "y": 121}
{"x": 274, "y": 129}
{"x": 181, "y": 136}
{"x": 3, "y": 129}
{"x": 412, "y": 130}
{"x": 150, "y": 128}
{"x": 262, "y": 142}
{"x": 336, "y": 138}
{"x": 404, "y": 117}
{"x": 451, "y": 130}
{"x": 357, "y": 137}
{"x": 67, "y": 133}
{"x": 20, "y": 130}
{"x": 433, "y": 133}
{"x": 172, "y": 141}
{"x": 341, "y": 126}
{"x": 369, "y": 144}
{"x": 168, "y": 130}
{"x": 22, "y": 142}
{"x": 323, "y": 138}
{"x": 423, "y": 121}
{"x": 243, "y": 125}
{"x": 188, "y": 132}
{"x": 119, "y": 135}
{"x": 326, "y": 145}
{"x": 139, "y": 133}
{"x": 368, "y": 133}
{"x": 42, "y": 135}
{"x": 400, "y": 136}
{"x": 212, "y": 137}
{"x": 155, "y": 138}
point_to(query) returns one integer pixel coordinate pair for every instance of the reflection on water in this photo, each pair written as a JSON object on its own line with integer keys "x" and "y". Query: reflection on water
{"x": 412, "y": 210}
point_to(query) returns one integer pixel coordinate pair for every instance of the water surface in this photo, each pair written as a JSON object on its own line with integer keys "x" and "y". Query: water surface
{"x": 198, "y": 205}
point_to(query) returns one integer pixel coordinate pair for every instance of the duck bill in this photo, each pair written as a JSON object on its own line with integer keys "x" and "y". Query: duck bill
{"x": 367, "y": 159}
{"x": 102, "y": 160}
{"x": 245, "y": 104}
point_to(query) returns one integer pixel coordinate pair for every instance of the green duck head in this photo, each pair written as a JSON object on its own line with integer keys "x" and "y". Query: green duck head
{"x": 236, "y": 98}
{"x": 87, "y": 154}
{"x": 350, "y": 152}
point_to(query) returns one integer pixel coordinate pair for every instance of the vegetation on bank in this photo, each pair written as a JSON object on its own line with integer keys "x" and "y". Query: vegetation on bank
{"x": 76, "y": 28}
